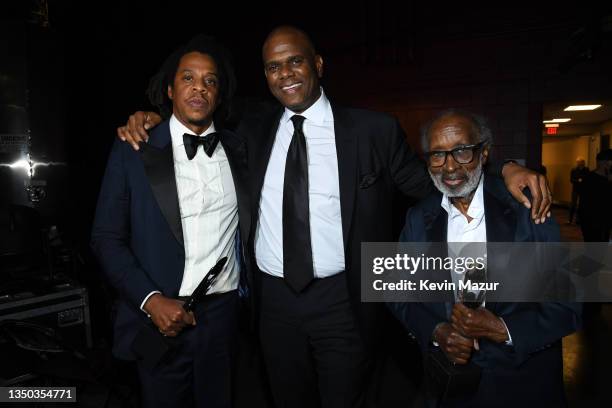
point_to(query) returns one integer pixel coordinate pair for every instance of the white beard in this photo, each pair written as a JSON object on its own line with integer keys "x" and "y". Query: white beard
{"x": 469, "y": 186}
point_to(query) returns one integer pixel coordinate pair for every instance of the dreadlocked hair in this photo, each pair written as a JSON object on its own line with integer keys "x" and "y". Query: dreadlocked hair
{"x": 157, "y": 91}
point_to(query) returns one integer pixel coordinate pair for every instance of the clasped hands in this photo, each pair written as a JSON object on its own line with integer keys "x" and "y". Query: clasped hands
{"x": 168, "y": 314}
{"x": 459, "y": 337}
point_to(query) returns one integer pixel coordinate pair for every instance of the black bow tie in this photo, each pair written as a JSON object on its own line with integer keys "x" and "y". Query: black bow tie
{"x": 208, "y": 142}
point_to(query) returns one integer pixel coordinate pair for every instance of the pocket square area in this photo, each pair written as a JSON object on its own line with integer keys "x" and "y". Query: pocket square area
{"x": 368, "y": 180}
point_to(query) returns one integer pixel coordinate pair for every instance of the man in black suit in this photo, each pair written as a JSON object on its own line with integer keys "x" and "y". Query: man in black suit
{"x": 596, "y": 200}
{"x": 577, "y": 176}
{"x": 517, "y": 345}
{"x": 165, "y": 216}
{"x": 322, "y": 179}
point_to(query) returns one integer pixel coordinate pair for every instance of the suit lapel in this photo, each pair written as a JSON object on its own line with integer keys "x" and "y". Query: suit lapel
{"x": 158, "y": 162}
{"x": 436, "y": 226}
{"x": 346, "y": 150}
{"x": 501, "y": 227}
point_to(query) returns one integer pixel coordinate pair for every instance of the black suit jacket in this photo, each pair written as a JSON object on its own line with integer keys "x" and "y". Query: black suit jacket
{"x": 374, "y": 160}
{"x": 531, "y": 371}
{"x": 137, "y": 234}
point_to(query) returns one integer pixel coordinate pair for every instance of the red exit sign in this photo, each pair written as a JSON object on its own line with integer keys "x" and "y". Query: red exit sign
{"x": 551, "y": 131}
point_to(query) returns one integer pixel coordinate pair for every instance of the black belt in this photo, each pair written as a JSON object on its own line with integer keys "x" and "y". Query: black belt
{"x": 267, "y": 275}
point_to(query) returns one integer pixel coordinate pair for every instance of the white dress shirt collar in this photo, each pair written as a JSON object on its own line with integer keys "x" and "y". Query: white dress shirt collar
{"x": 318, "y": 113}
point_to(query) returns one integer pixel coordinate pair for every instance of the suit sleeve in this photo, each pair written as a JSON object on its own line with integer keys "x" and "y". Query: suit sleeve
{"x": 416, "y": 318}
{"x": 494, "y": 168}
{"x": 110, "y": 238}
{"x": 534, "y": 328}
{"x": 408, "y": 171}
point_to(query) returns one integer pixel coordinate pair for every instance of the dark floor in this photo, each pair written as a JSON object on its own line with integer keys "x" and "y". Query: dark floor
{"x": 569, "y": 232}
{"x": 587, "y": 357}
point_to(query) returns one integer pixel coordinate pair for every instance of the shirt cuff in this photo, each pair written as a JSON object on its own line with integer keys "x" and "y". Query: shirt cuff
{"x": 509, "y": 341}
{"x": 145, "y": 301}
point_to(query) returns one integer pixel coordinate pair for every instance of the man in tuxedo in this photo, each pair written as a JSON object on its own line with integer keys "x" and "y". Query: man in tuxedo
{"x": 517, "y": 345}
{"x": 165, "y": 216}
{"x": 322, "y": 178}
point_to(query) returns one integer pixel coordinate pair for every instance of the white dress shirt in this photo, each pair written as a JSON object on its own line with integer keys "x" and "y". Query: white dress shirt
{"x": 323, "y": 192}
{"x": 460, "y": 230}
{"x": 209, "y": 212}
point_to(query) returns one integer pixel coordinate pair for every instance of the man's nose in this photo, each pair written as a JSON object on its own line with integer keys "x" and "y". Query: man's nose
{"x": 450, "y": 165}
{"x": 199, "y": 85}
{"x": 285, "y": 71}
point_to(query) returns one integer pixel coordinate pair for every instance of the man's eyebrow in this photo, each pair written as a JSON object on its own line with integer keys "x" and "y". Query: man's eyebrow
{"x": 287, "y": 59}
{"x": 459, "y": 146}
{"x": 191, "y": 70}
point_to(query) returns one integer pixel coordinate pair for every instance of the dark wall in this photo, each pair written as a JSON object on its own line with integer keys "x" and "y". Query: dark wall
{"x": 88, "y": 69}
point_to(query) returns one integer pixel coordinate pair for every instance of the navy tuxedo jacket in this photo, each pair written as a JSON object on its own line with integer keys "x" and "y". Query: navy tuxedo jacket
{"x": 137, "y": 234}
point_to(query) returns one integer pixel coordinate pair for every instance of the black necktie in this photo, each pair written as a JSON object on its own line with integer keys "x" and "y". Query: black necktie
{"x": 191, "y": 142}
{"x": 297, "y": 250}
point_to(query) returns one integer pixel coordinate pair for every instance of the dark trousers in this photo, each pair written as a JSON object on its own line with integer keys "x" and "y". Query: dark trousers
{"x": 313, "y": 351}
{"x": 199, "y": 374}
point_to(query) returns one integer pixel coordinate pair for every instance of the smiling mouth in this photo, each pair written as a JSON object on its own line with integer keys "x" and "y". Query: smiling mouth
{"x": 453, "y": 182}
{"x": 291, "y": 88}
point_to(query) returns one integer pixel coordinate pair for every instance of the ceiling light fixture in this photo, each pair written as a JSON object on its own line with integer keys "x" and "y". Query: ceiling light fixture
{"x": 559, "y": 120}
{"x": 581, "y": 107}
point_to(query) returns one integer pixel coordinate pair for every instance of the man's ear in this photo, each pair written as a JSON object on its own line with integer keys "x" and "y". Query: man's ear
{"x": 319, "y": 65}
{"x": 170, "y": 94}
{"x": 485, "y": 155}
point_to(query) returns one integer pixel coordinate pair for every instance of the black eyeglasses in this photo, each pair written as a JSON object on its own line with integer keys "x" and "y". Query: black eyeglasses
{"x": 461, "y": 154}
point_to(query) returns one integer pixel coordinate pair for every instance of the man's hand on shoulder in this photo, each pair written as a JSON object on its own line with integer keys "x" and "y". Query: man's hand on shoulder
{"x": 168, "y": 314}
{"x": 135, "y": 131}
{"x": 517, "y": 178}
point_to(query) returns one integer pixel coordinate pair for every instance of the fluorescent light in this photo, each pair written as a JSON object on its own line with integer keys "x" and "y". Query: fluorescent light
{"x": 560, "y": 120}
{"x": 551, "y": 125}
{"x": 30, "y": 167}
{"x": 582, "y": 107}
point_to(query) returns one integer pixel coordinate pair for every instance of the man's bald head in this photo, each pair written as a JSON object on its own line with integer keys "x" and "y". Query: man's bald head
{"x": 294, "y": 34}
